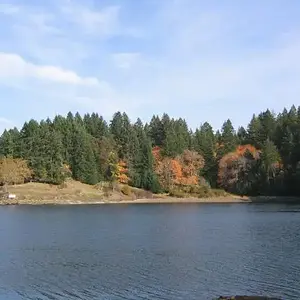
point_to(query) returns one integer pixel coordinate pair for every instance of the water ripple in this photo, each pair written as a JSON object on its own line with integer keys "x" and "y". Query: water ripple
{"x": 149, "y": 252}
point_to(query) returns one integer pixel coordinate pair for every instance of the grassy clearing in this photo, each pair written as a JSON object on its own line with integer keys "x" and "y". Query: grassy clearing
{"x": 74, "y": 192}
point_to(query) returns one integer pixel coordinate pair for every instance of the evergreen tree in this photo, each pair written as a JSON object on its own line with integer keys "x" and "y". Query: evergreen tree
{"x": 268, "y": 126}
{"x": 83, "y": 165}
{"x": 104, "y": 147}
{"x": 157, "y": 131}
{"x": 121, "y": 130}
{"x": 242, "y": 136}
{"x": 94, "y": 151}
{"x": 144, "y": 176}
{"x": 205, "y": 144}
{"x": 228, "y": 138}
{"x": 254, "y": 132}
{"x": 270, "y": 159}
{"x": 95, "y": 125}
{"x": 170, "y": 146}
{"x": 10, "y": 143}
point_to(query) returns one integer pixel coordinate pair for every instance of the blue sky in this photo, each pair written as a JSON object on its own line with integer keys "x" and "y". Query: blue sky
{"x": 202, "y": 60}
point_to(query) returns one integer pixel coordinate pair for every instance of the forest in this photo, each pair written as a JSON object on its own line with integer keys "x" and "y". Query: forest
{"x": 164, "y": 155}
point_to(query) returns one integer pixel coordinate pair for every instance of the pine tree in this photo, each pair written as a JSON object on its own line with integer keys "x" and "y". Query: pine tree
{"x": 270, "y": 158}
{"x": 205, "y": 144}
{"x": 121, "y": 130}
{"x": 95, "y": 125}
{"x": 84, "y": 167}
{"x": 268, "y": 126}
{"x": 10, "y": 143}
{"x": 242, "y": 136}
{"x": 170, "y": 146}
{"x": 254, "y": 132}
{"x": 141, "y": 171}
{"x": 156, "y": 131}
{"x": 182, "y": 135}
{"x": 228, "y": 139}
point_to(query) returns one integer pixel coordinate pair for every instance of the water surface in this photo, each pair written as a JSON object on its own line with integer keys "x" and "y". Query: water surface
{"x": 159, "y": 251}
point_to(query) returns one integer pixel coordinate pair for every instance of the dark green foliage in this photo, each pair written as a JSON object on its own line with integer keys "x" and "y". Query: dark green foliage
{"x": 122, "y": 131}
{"x": 242, "y": 136}
{"x": 141, "y": 168}
{"x": 95, "y": 125}
{"x": 10, "y": 143}
{"x": 92, "y": 149}
{"x": 205, "y": 144}
{"x": 156, "y": 131}
{"x": 228, "y": 139}
{"x": 83, "y": 162}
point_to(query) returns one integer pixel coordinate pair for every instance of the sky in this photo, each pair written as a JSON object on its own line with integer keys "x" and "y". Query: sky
{"x": 201, "y": 60}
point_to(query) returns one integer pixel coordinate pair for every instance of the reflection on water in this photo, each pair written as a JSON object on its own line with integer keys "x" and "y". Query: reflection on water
{"x": 149, "y": 251}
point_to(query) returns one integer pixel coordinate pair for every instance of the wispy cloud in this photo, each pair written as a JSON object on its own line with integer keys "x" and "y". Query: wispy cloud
{"x": 92, "y": 21}
{"x": 187, "y": 57}
{"x": 9, "y": 9}
{"x": 125, "y": 60}
{"x": 14, "y": 66}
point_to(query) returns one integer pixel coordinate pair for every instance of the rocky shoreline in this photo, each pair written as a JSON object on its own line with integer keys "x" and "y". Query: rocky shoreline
{"x": 163, "y": 200}
{"x": 157, "y": 200}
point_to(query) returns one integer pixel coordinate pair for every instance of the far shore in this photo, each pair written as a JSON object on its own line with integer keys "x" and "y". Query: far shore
{"x": 75, "y": 193}
{"x": 157, "y": 200}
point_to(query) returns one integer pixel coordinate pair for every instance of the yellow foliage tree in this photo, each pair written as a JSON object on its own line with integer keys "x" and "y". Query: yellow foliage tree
{"x": 14, "y": 171}
{"x": 122, "y": 172}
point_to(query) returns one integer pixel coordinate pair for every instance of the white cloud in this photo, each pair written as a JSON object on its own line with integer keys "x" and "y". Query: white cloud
{"x": 13, "y": 65}
{"x": 9, "y": 9}
{"x": 125, "y": 60}
{"x": 92, "y": 21}
{"x": 192, "y": 57}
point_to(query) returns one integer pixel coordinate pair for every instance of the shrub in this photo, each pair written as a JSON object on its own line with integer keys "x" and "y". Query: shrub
{"x": 142, "y": 194}
{"x": 177, "y": 193}
{"x": 219, "y": 193}
{"x": 107, "y": 191}
{"x": 126, "y": 190}
{"x": 204, "y": 192}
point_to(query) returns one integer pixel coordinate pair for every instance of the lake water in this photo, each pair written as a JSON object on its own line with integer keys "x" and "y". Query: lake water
{"x": 195, "y": 251}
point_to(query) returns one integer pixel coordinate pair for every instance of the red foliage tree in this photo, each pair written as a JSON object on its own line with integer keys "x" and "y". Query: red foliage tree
{"x": 231, "y": 164}
{"x": 183, "y": 170}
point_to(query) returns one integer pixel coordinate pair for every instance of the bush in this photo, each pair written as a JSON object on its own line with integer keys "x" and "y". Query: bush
{"x": 204, "y": 192}
{"x": 102, "y": 185}
{"x": 142, "y": 194}
{"x": 177, "y": 193}
{"x": 107, "y": 191}
{"x": 196, "y": 189}
{"x": 219, "y": 192}
{"x": 126, "y": 190}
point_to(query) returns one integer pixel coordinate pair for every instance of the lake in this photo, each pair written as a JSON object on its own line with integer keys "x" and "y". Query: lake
{"x": 158, "y": 251}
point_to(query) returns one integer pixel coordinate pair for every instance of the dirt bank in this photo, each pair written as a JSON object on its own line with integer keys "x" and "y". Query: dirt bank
{"x": 74, "y": 192}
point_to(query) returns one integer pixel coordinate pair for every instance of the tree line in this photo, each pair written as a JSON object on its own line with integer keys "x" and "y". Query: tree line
{"x": 261, "y": 159}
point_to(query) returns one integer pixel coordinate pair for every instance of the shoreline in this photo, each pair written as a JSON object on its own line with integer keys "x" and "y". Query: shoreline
{"x": 164, "y": 200}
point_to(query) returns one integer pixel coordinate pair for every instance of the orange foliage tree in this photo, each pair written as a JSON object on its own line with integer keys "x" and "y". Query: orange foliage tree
{"x": 122, "y": 172}
{"x": 233, "y": 164}
{"x": 191, "y": 163}
{"x": 182, "y": 170}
